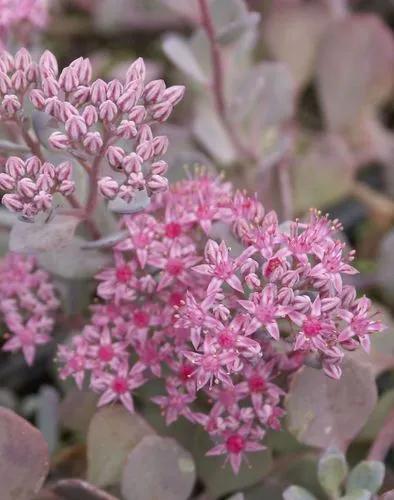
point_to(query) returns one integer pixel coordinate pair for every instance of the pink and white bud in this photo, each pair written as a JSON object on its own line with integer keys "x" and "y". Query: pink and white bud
{"x": 50, "y": 86}
{"x": 114, "y": 90}
{"x": 160, "y": 145}
{"x": 157, "y": 183}
{"x": 29, "y": 209}
{"x": 68, "y": 79}
{"x": 64, "y": 171}
{"x": 136, "y": 70}
{"x": 81, "y": 95}
{"x": 15, "y": 167}
{"x": 7, "y": 60}
{"x": 154, "y": 91}
{"x": 48, "y": 169}
{"x": 7, "y": 182}
{"x": 83, "y": 69}
{"x": 59, "y": 141}
{"x": 93, "y": 142}
{"x": 37, "y": 98}
{"x": 67, "y": 187}
{"x": 22, "y": 59}
{"x": 114, "y": 155}
{"x": 127, "y": 193}
{"x": 145, "y": 150}
{"x": 98, "y": 91}
{"x": 132, "y": 163}
{"x": 45, "y": 182}
{"x": 127, "y": 129}
{"x": 19, "y": 81}
{"x": 161, "y": 111}
{"x": 48, "y": 62}
{"x": 136, "y": 180}
{"x": 5, "y": 82}
{"x": 11, "y": 105}
{"x": 33, "y": 166}
{"x": 126, "y": 101}
{"x": 76, "y": 127}
{"x": 137, "y": 87}
{"x": 137, "y": 114}
{"x": 108, "y": 111}
{"x": 12, "y": 202}
{"x": 54, "y": 107}
{"x": 90, "y": 115}
{"x": 32, "y": 72}
{"x": 26, "y": 187}
{"x": 174, "y": 94}
{"x": 43, "y": 200}
{"x": 159, "y": 167}
{"x": 108, "y": 187}
{"x": 67, "y": 110}
{"x": 144, "y": 133}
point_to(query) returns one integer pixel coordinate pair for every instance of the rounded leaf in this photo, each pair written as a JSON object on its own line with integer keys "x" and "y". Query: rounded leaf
{"x": 367, "y": 475}
{"x": 332, "y": 470}
{"x": 158, "y": 468}
{"x": 297, "y": 493}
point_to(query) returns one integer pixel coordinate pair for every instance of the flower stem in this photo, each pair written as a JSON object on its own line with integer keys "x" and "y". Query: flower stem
{"x": 384, "y": 440}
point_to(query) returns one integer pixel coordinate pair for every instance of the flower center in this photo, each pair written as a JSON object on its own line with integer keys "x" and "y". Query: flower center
{"x": 185, "y": 372}
{"x": 174, "y": 267}
{"x": 272, "y": 265}
{"x": 141, "y": 319}
{"x": 265, "y": 314}
{"x": 257, "y": 383}
{"x": 226, "y": 339}
{"x": 123, "y": 274}
{"x": 175, "y": 299}
{"x": 105, "y": 353}
{"x": 119, "y": 385}
{"x": 312, "y": 327}
{"x": 173, "y": 230}
{"x": 235, "y": 443}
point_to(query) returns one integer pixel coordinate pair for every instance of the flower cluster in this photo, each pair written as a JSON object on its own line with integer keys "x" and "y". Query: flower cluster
{"x": 19, "y": 19}
{"x": 218, "y": 326}
{"x": 31, "y": 184}
{"x": 107, "y": 128}
{"x": 27, "y": 304}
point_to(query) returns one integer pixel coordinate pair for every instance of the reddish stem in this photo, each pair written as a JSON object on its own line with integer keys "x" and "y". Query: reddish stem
{"x": 384, "y": 440}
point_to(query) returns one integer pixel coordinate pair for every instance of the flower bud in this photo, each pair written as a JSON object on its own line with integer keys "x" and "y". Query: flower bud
{"x": 144, "y": 133}
{"x": 15, "y": 167}
{"x": 64, "y": 171}
{"x": 76, "y": 127}
{"x": 159, "y": 167}
{"x": 29, "y": 210}
{"x": 19, "y": 81}
{"x": 126, "y": 101}
{"x": 68, "y": 79}
{"x": 145, "y": 150}
{"x": 26, "y": 187}
{"x": 136, "y": 70}
{"x": 157, "y": 183}
{"x": 137, "y": 114}
{"x": 48, "y": 62}
{"x": 7, "y": 182}
{"x": 108, "y": 111}
{"x": 174, "y": 94}
{"x": 7, "y": 60}
{"x": 58, "y": 140}
{"x": 161, "y": 111}
{"x": 45, "y": 182}
{"x": 89, "y": 114}
{"x": 37, "y": 99}
{"x": 5, "y": 82}
{"x": 50, "y": 87}
{"x": 33, "y": 166}
{"x": 126, "y": 193}
{"x": 126, "y": 129}
{"x": 11, "y": 104}
{"x": 114, "y": 155}
{"x": 136, "y": 179}
{"x": 83, "y": 69}
{"x": 12, "y": 202}
{"x": 114, "y": 90}
{"x": 43, "y": 200}
{"x": 48, "y": 169}
{"x": 160, "y": 145}
{"x": 108, "y": 187}
{"x": 67, "y": 187}
{"x": 132, "y": 163}
{"x": 98, "y": 91}
{"x": 93, "y": 142}
{"x": 81, "y": 95}
{"x": 67, "y": 110}
{"x": 22, "y": 59}
{"x": 153, "y": 91}
{"x": 54, "y": 107}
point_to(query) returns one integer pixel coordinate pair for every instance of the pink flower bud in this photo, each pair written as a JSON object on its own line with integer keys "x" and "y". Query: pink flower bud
{"x": 81, "y": 95}
{"x": 67, "y": 187}
{"x": 114, "y": 90}
{"x": 174, "y": 94}
{"x": 58, "y": 140}
{"x": 48, "y": 169}
{"x": 33, "y": 166}
{"x": 137, "y": 87}
{"x": 93, "y": 142}
{"x": 136, "y": 179}
{"x": 29, "y": 210}
{"x": 159, "y": 167}
{"x": 126, "y": 192}
{"x": 132, "y": 163}
{"x": 68, "y": 79}
{"x": 12, "y": 202}
{"x": 43, "y": 200}
{"x": 89, "y": 114}
{"x": 114, "y": 155}
{"x": 45, "y": 182}
{"x": 145, "y": 150}
{"x": 22, "y": 59}
{"x": 157, "y": 183}
{"x": 154, "y": 91}
{"x": 76, "y": 127}
{"x": 26, "y": 187}
{"x": 67, "y": 110}
{"x": 7, "y": 183}
{"x": 64, "y": 171}
{"x": 83, "y": 70}
{"x": 108, "y": 111}
{"x": 32, "y": 73}
{"x": 50, "y": 86}
{"x": 5, "y": 82}
{"x": 7, "y": 60}
{"x": 137, "y": 114}
{"x": 48, "y": 61}
{"x": 54, "y": 107}
{"x": 98, "y": 91}
{"x": 136, "y": 70}
{"x": 11, "y": 105}
{"x": 161, "y": 111}
{"x": 144, "y": 134}
{"x": 15, "y": 167}
{"x": 19, "y": 81}
{"x": 37, "y": 99}
{"x": 127, "y": 129}
{"x": 108, "y": 187}
{"x": 126, "y": 101}
{"x": 160, "y": 145}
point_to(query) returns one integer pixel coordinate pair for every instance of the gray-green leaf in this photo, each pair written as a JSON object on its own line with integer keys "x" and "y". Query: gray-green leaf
{"x": 367, "y": 475}
{"x": 332, "y": 470}
{"x": 297, "y": 493}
